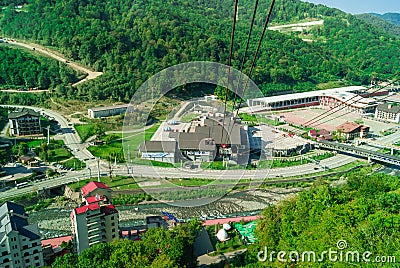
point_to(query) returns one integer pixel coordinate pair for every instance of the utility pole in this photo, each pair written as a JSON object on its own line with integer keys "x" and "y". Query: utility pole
{"x": 98, "y": 169}
{"x": 48, "y": 135}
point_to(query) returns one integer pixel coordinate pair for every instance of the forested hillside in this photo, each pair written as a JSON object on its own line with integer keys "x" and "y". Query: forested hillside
{"x": 130, "y": 41}
{"x": 379, "y": 22}
{"x": 20, "y": 69}
{"x": 364, "y": 212}
{"x": 390, "y": 17}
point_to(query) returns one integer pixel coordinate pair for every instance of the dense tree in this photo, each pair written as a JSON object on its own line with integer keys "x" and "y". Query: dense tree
{"x": 130, "y": 41}
{"x": 22, "y": 69}
{"x": 364, "y": 212}
{"x": 158, "y": 248}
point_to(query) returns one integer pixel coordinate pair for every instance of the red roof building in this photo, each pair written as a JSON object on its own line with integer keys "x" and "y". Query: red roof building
{"x": 92, "y": 186}
{"x": 97, "y": 220}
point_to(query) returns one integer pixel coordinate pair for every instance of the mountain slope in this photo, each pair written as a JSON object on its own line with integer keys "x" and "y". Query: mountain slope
{"x": 379, "y": 22}
{"x": 130, "y": 41}
{"x": 390, "y": 17}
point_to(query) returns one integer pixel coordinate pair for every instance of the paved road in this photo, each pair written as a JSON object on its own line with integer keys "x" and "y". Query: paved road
{"x": 70, "y": 137}
{"x": 90, "y": 74}
{"x": 157, "y": 172}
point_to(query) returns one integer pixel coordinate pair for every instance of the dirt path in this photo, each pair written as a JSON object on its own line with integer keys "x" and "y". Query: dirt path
{"x": 55, "y": 55}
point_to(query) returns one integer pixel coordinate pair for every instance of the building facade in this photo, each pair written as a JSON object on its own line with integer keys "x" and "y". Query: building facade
{"x": 388, "y": 112}
{"x": 95, "y": 222}
{"x": 20, "y": 244}
{"x": 351, "y": 130}
{"x": 24, "y": 122}
{"x": 107, "y": 111}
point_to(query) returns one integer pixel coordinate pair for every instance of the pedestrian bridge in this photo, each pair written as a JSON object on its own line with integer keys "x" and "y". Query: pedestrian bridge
{"x": 353, "y": 150}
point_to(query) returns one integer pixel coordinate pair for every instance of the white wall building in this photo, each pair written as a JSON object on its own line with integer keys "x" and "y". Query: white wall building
{"x": 20, "y": 244}
{"x": 107, "y": 111}
{"x": 95, "y": 222}
{"x": 388, "y": 112}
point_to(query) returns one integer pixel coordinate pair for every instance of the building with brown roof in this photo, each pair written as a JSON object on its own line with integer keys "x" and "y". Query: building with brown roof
{"x": 351, "y": 130}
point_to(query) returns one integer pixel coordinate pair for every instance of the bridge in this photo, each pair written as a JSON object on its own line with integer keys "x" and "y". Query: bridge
{"x": 353, "y": 150}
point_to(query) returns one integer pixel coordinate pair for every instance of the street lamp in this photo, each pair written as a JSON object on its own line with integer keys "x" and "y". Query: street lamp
{"x": 90, "y": 172}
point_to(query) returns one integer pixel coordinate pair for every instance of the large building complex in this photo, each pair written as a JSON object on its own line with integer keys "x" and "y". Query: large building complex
{"x": 107, "y": 111}
{"x": 97, "y": 220}
{"x": 345, "y": 96}
{"x": 19, "y": 241}
{"x": 201, "y": 140}
{"x": 24, "y": 122}
{"x": 388, "y": 112}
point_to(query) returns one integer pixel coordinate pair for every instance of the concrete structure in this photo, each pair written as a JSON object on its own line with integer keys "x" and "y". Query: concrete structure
{"x": 19, "y": 241}
{"x": 305, "y": 99}
{"x": 351, "y": 130}
{"x": 107, "y": 111}
{"x": 24, "y": 122}
{"x": 96, "y": 221}
{"x": 347, "y": 101}
{"x": 388, "y": 112}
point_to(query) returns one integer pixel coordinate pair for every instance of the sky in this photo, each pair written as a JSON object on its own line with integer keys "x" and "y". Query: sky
{"x": 362, "y": 6}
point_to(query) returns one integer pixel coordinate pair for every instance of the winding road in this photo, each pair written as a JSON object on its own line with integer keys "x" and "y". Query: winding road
{"x": 57, "y": 56}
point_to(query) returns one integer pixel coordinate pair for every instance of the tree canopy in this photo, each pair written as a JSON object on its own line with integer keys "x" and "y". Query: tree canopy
{"x": 131, "y": 41}
{"x": 158, "y": 248}
{"x": 364, "y": 212}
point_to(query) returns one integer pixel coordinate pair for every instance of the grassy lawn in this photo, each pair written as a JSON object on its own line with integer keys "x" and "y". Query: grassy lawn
{"x": 84, "y": 131}
{"x": 118, "y": 182}
{"x": 74, "y": 163}
{"x": 187, "y": 118}
{"x": 140, "y": 161}
{"x": 190, "y": 182}
{"x": 113, "y": 148}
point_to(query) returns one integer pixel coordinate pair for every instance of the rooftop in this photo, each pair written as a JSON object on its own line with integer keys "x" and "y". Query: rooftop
{"x": 388, "y": 108}
{"x": 158, "y": 146}
{"x": 310, "y": 94}
{"x": 91, "y": 186}
{"x": 57, "y": 241}
{"x": 109, "y": 107}
{"x": 83, "y": 209}
{"x": 348, "y": 127}
{"x": 22, "y": 112}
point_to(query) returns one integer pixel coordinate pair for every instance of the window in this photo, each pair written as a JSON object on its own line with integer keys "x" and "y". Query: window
{"x": 112, "y": 218}
{"x": 113, "y": 230}
{"x": 36, "y": 258}
{"x": 27, "y": 260}
{"x": 113, "y": 224}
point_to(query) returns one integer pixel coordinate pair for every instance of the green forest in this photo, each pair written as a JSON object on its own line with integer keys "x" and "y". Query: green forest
{"x": 131, "y": 41}
{"x": 364, "y": 212}
{"x": 20, "y": 69}
{"x": 158, "y": 248}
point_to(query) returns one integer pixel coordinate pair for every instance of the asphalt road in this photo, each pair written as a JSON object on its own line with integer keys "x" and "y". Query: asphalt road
{"x": 157, "y": 173}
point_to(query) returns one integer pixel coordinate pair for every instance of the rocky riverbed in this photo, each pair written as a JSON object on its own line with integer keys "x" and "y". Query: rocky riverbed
{"x": 55, "y": 220}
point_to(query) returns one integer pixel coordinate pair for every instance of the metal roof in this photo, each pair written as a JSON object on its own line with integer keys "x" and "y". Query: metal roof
{"x": 22, "y": 112}
{"x": 310, "y": 94}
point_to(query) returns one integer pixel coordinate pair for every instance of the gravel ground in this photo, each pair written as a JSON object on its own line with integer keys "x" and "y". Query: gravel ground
{"x": 55, "y": 220}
